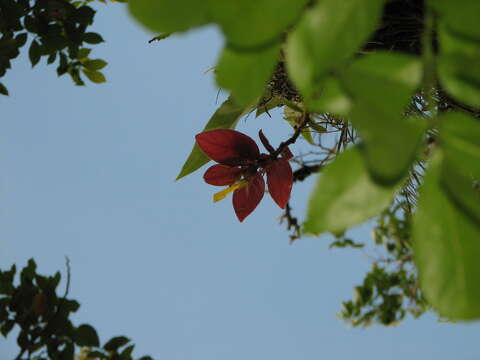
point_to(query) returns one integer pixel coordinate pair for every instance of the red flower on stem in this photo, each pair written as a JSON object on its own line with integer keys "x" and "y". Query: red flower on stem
{"x": 241, "y": 167}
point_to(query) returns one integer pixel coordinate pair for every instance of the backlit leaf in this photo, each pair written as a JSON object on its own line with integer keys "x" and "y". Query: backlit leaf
{"x": 245, "y": 74}
{"x": 168, "y": 16}
{"x": 327, "y": 35}
{"x": 446, "y": 248}
{"x": 345, "y": 195}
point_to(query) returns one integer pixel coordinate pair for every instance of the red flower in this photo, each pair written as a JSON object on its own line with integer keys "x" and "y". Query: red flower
{"x": 241, "y": 167}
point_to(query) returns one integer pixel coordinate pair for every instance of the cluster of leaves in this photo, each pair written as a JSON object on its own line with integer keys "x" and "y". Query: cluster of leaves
{"x": 33, "y": 307}
{"x": 357, "y": 64}
{"x": 391, "y": 289}
{"x": 59, "y": 31}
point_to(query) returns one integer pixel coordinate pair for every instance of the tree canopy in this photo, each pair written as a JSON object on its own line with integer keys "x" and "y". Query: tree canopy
{"x": 387, "y": 94}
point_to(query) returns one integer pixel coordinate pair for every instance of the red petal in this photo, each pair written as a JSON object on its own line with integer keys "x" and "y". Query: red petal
{"x": 280, "y": 180}
{"x": 221, "y": 175}
{"x": 246, "y": 199}
{"x": 227, "y": 147}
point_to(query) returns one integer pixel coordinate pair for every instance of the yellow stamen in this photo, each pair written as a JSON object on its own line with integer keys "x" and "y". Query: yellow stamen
{"x": 222, "y": 194}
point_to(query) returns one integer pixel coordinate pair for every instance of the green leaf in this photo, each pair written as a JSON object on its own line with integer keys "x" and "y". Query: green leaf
{"x": 114, "y": 343}
{"x": 34, "y": 53}
{"x": 95, "y": 76}
{"x": 265, "y": 107}
{"x": 83, "y": 53}
{"x": 331, "y": 99}
{"x": 226, "y": 117}
{"x": 127, "y": 352}
{"x": 255, "y": 23}
{"x": 86, "y": 335}
{"x": 345, "y": 195}
{"x": 3, "y": 89}
{"x": 21, "y": 39}
{"x": 92, "y": 38}
{"x": 245, "y": 74}
{"x": 96, "y": 64}
{"x": 169, "y": 15}
{"x": 458, "y": 69}
{"x": 460, "y": 138}
{"x": 381, "y": 86}
{"x": 329, "y": 33}
{"x": 446, "y": 248}
{"x": 459, "y": 19}
{"x": 294, "y": 118}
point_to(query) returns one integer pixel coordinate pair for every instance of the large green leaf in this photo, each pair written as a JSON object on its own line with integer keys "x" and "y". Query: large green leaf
{"x": 462, "y": 18}
{"x": 345, "y": 195}
{"x": 245, "y": 74}
{"x": 255, "y": 23}
{"x": 447, "y": 248}
{"x": 460, "y": 136}
{"x": 226, "y": 117}
{"x": 167, "y": 16}
{"x": 327, "y": 35}
{"x": 458, "y": 68}
{"x": 381, "y": 86}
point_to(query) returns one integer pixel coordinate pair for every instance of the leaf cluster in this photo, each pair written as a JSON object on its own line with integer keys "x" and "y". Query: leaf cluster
{"x": 32, "y": 306}
{"x": 59, "y": 32}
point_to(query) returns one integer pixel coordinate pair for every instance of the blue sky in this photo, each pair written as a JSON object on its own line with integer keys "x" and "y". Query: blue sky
{"x": 88, "y": 172}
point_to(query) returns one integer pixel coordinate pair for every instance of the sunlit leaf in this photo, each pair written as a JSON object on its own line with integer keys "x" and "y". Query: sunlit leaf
{"x": 446, "y": 248}
{"x": 460, "y": 136}
{"x": 381, "y": 86}
{"x": 345, "y": 195}
{"x": 255, "y": 23}
{"x": 245, "y": 74}
{"x": 458, "y": 68}
{"x": 327, "y": 35}
{"x": 168, "y": 16}
{"x": 461, "y": 19}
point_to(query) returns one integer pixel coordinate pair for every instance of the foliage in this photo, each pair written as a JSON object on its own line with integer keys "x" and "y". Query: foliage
{"x": 59, "y": 31}
{"x": 380, "y": 74}
{"x": 386, "y": 92}
{"x": 32, "y": 306}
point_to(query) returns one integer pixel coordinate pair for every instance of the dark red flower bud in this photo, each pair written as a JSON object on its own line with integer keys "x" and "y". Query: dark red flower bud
{"x": 246, "y": 199}
{"x": 221, "y": 175}
{"x": 228, "y": 147}
{"x": 280, "y": 181}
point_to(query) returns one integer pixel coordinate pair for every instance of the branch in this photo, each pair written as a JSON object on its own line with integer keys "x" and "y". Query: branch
{"x": 296, "y": 134}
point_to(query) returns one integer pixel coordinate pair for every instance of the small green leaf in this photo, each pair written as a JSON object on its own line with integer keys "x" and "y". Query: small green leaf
{"x": 21, "y": 39}
{"x": 446, "y": 248}
{"x": 328, "y": 34}
{"x": 86, "y": 335}
{"x": 127, "y": 352}
{"x": 345, "y": 195}
{"x": 245, "y": 74}
{"x": 116, "y": 342}
{"x": 95, "y": 76}
{"x": 51, "y": 58}
{"x": 3, "y": 89}
{"x": 255, "y": 23}
{"x": 169, "y": 16}
{"x": 92, "y": 38}
{"x": 381, "y": 86}
{"x": 96, "y": 64}
{"x": 34, "y": 53}
{"x": 83, "y": 53}
{"x": 226, "y": 117}
{"x": 274, "y": 102}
